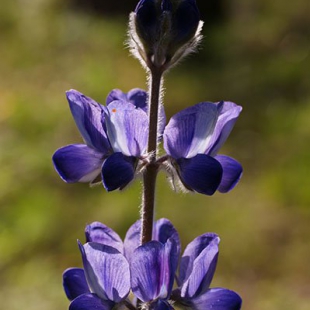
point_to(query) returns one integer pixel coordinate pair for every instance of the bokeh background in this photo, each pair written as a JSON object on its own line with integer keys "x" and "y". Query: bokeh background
{"x": 255, "y": 53}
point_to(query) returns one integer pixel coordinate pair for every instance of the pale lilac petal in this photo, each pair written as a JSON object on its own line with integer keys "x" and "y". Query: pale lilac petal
{"x": 117, "y": 171}
{"x": 188, "y": 132}
{"x": 139, "y": 98}
{"x": 232, "y": 172}
{"x": 229, "y": 112}
{"x": 77, "y": 163}
{"x": 201, "y": 173}
{"x": 74, "y": 283}
{"x": 132, "y": 239}
{"x": 100, "y": 233}
{"x": 90, "y": 302}
{"x": 217, "y": 299}
{"x": 107, "y": 271}
{"x": 164, "y": 230}
{"x": 87, "y": 115}
{"x": 198, "y": 265}
{"x": 127, "y": 128}
{"x": 152, "y": 269}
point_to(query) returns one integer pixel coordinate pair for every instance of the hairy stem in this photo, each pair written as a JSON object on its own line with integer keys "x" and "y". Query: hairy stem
{"x": 150, "y": 173}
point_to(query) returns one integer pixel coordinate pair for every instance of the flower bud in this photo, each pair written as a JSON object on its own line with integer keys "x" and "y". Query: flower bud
{"x": 164, "y": 31}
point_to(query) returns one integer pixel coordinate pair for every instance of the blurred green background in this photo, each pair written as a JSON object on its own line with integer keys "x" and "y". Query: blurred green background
{"x": 255, "y": 53}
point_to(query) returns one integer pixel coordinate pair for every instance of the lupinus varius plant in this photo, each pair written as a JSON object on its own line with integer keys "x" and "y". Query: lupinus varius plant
{"x": 121, "y": 143}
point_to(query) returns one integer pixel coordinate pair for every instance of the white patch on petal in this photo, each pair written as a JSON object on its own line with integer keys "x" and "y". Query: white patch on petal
{"x": 204, "y": 127}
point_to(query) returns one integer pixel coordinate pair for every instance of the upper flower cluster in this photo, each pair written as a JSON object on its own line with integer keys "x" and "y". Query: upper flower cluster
{"x": 114, "y": 135}
{"x": 112, "y": 269}
{"x": 116, "y": 139}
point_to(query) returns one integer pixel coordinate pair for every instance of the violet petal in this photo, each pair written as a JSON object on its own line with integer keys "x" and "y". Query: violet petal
{"x": 188, "y": 132}
{"x": 74, "y": 283}
{"x": 117, "y": 171}
{"x": 217, "y": 299}
{"x": 116, "y": 94}
{"x": 201, "y": 173}
{"x": 132, "y": 239}
{"x": 138, "y": 97}
{"x": 77, "y": 163}
{"x": 107, "y": 271}
{"x": 127, "y": 128}
{"x": 90, "y": 302}
{"x": 100, "y": 233}
{"x": 87, "y": 115}
{"x": 152, "y": 269}
{"x": 198, "y": 265}
{"x": 232, "y": 172}
{"x": 164, "y": 230}
{"x": 229, "y": 112}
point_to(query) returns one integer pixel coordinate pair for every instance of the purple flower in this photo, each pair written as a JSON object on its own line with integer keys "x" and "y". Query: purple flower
{"x": 112, "y": 268}
{"x": 115, "y": 139}
{"x": 105, "y": 279}
{"x": 152, "y": 268}
{"x": 192, "y": 139}
{"x": 153, "y": 265}
{"x": 197, "y": 268}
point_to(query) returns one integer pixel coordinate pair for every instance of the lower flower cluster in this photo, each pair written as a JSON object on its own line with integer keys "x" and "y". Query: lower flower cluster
{"x": 127, "y": 275}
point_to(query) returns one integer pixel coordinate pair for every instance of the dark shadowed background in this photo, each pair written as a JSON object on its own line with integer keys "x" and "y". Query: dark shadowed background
{"x": 255, "y": 53}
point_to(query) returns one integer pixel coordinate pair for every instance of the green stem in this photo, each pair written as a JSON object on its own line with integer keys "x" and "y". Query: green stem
{"x": 150, "y": 173}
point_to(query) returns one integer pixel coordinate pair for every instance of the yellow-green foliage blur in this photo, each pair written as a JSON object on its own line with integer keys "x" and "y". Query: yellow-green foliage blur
{"x": 257, "y": 55}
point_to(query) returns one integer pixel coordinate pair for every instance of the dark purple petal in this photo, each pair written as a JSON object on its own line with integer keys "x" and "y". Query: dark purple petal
{"x": 116, "y": 94}
{"x": 77, "y": 163}
{"x": 188, "y": 132}
{"x": 152, "y": 269}
{"x": 217, "y": 299}
{"x": 146, "y": 19}
{"x": 100, "y": 233}
{"x": 74, "y": 283}
{"x": 107, "y": 271}
{"x": 198, "y": 265}
{"x": 232, "y": 172}
{"x": 132, "y": 239}
{"x": 138, "y": 97}
{"x": 186, "y": 20}
{"x": 117, "y": 171}
{"x": 164, "y": 230}
{"x": 127, "y": 128}
{"x": 90, "y": 302}
{"x": 201, "y": 173}
{"x": 87, "y": 115}
{"x": 229, "y": 112}
{"x": 160, "y": 305}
